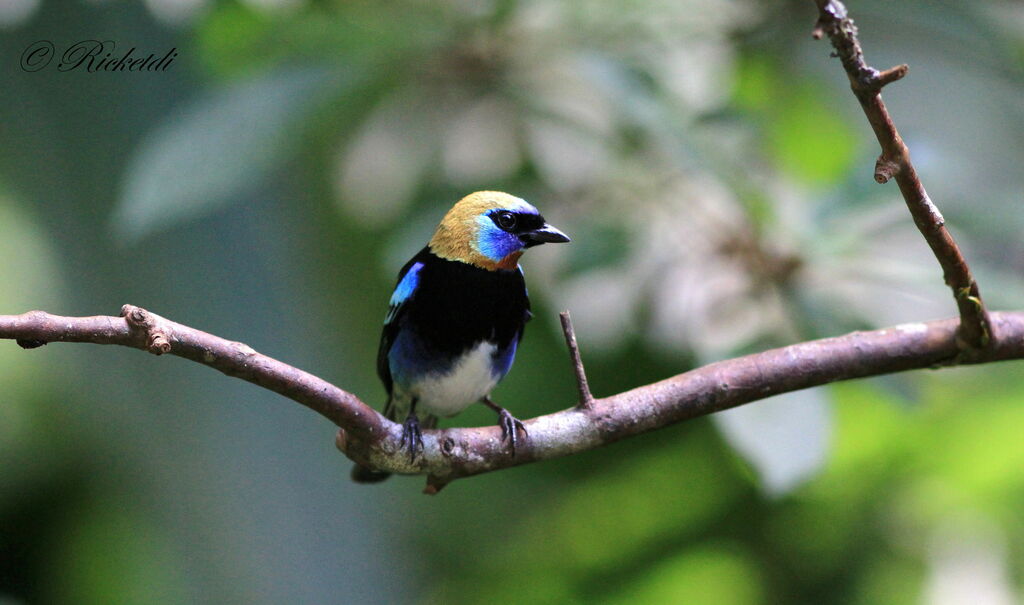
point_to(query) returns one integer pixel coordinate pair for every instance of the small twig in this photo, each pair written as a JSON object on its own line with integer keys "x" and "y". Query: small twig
{"x": 885, "y": 169}
{"x": 586, "y": 400}
{"x": 891, "y": 75}
{"x": 157, "y": 342}
{"x": 975, "y": 330}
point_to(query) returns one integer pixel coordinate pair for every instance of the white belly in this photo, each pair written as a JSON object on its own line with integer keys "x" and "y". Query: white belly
{"x": 469, "y": 380}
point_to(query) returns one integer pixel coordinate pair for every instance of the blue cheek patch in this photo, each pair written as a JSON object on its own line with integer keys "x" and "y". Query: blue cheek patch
{"x": 492, "y": 242}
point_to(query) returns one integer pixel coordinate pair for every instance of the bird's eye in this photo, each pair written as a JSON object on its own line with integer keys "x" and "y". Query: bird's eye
{"x": 506, "y": 220}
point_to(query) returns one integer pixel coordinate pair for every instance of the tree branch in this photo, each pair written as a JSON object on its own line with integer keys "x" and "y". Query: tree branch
{"x": 867, "y": 83}
{"x": 370, "y": 439}
{"x": 140, "y": 329}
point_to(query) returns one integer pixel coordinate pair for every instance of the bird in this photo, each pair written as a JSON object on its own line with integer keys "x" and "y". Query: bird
{"x": 456, "y": 317}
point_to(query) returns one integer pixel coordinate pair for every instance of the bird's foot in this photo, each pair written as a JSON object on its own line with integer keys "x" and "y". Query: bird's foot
{"x": 510, "y": 427}
{"x": 412, "y": 437}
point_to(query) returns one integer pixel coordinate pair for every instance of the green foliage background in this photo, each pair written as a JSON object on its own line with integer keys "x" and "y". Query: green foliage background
{"x": 210, "y": 193}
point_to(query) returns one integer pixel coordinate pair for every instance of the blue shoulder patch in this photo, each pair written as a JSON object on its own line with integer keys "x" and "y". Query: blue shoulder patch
{"x": 404, "y": 290}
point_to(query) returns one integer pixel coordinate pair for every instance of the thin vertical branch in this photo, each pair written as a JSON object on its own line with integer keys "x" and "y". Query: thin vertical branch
{"x": 586, "y": 398}
{"x": 975, "y": 330}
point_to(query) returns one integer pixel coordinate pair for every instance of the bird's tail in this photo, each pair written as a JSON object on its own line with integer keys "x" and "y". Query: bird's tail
{"x": 362, "y": 474}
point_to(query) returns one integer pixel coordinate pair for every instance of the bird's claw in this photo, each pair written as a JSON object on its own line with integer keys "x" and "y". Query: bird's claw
{"x": 510, "y": 427}
{"x": 412, "y": 437}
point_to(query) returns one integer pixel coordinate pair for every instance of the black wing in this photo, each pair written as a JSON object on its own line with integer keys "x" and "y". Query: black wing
{"x": 396, "y": 311}
{"x": 527, "y": 312}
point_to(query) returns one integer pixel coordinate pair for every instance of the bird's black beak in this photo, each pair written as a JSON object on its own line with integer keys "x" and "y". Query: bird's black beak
{"x": 545, "y": 235}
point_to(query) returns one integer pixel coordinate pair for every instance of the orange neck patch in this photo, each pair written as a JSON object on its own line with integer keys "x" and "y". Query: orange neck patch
{"x": 510, "y": 262}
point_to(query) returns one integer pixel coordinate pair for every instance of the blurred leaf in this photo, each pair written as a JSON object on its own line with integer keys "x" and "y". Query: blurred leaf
{"x": 754, "y": 87}
{"x": 872, "y": 428}
{"x": 383, "y": 163}
{"x": 978, "y": 449}
{"x": 239, "y": 39}
{"x": 805, "y": 136}
{"x": 601, "y": 530}
{"x": 215, "y": 147}
{"x": 112, "y": 554}
{"x": 31, "y": 281}
{"x": 703, "y": 575}
{"x": 480, "y": 145}
{"x": 597, "y": 244}
{"x": 30, "y": 277}
{"x": 891, "y": 580}
{"x": 786, "y": 437}
{"x": 231, "y": 38}
{"x": 565, "y": 155}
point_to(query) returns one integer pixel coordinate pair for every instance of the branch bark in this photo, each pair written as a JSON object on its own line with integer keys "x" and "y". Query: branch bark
{"x": 449, "y": 454}
{"x": 894, "y": 162}
{"x": 140, "y": 329}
